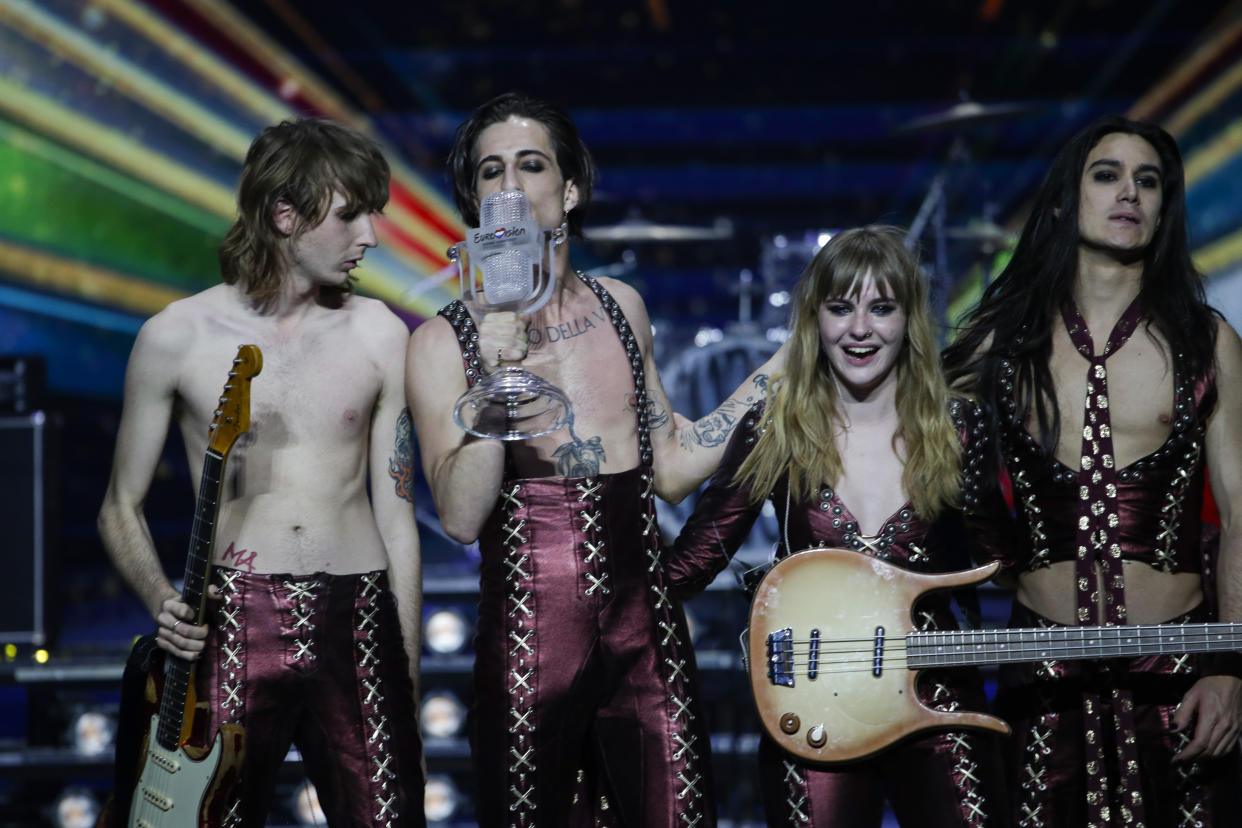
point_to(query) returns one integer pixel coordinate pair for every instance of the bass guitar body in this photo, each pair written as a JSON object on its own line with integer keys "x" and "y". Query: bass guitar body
{"x": 827, "y": 655}
{"x": 834, "y": 655}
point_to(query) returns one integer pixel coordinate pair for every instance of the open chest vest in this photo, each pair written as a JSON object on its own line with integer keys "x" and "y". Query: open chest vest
{"x": 1148, "y": 511}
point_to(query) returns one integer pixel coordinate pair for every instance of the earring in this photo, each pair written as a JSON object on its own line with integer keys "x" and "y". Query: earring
{"x": 561, "y": 233}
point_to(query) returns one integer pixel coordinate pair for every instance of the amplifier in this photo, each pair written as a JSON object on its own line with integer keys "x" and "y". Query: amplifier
{"x": 26, "y": 503}
{"x": 23, "y": 380}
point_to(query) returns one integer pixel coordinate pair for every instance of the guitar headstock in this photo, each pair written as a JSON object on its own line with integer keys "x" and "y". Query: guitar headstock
{"x": 232, "y": 418}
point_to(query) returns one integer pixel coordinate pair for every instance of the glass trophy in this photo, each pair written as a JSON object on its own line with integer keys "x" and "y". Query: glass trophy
{"x": 507, "y": 264}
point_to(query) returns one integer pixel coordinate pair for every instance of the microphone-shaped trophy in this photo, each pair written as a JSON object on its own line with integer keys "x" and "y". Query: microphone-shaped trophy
{"x": 506, "y": 264}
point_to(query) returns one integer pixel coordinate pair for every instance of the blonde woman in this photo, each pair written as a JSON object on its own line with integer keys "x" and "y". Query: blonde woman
{"x": 856, "y": 448}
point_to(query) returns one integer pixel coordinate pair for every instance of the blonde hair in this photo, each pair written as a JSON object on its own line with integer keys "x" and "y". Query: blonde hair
{"x": 800, "y": 421}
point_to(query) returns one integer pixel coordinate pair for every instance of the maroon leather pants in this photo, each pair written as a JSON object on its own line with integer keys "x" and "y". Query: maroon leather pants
{"x": 1050, "y": 776}
{"x": 585, "y": 705}
{"x": 317, "y": 661}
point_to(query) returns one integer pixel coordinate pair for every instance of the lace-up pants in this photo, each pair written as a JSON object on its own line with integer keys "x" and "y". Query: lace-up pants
{"x": 317, "y": 661}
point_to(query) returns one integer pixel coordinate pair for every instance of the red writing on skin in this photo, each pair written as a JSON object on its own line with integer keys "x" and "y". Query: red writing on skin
{"x": 239, "y": 558}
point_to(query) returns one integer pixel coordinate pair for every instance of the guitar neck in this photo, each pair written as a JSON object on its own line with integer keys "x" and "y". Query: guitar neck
{"x": 966, "y": 647}
{"x": 178, "y": 673}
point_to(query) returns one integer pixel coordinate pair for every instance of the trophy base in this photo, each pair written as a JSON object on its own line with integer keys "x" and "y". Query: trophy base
{"x": 512, "y": 404}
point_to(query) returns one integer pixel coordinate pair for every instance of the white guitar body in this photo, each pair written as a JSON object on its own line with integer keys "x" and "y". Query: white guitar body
{"x": 173, "y": 787}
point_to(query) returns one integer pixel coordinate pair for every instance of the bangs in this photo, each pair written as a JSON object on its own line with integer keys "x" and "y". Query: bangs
{"x": 364, "y": 190}
{"x": 842, "y": 266}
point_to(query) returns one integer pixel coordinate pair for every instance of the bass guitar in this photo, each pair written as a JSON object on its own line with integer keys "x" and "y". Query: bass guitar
{"x": 186, "y": 775}
{"x": 840, "y": 654}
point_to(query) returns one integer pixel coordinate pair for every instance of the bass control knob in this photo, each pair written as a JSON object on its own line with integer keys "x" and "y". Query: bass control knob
{"x": 816, "y": 737}
{"x": 790, "y": 723}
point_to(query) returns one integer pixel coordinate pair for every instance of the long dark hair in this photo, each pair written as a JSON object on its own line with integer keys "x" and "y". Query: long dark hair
{"x": 1015, "y": 318}
{"x": 572, "y": 155}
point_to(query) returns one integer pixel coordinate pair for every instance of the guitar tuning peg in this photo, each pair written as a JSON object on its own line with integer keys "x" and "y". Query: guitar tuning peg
{"x": 218, "y": 411}
{"x": 211, "y": 427}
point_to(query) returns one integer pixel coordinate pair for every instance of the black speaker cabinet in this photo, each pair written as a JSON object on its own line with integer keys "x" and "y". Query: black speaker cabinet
{"x": 26, "y": 515}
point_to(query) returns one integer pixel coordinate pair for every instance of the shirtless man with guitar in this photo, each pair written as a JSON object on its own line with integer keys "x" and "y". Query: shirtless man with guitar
{"x": 313, "y": 636}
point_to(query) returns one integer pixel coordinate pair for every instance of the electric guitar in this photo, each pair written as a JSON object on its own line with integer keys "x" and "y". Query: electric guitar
{"x": 840, "y": 654}
{"x": 184, "y": 780}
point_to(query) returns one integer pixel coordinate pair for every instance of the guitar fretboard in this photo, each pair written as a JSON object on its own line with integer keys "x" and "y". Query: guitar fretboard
{"x": 178, "y": 673}
{"x": 958, "y": 648}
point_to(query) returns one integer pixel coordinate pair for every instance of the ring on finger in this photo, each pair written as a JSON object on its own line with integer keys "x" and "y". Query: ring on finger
{"x": 176, "y": 624}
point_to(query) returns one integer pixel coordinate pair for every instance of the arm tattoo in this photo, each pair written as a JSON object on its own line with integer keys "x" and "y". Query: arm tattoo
{"x": 715, "y": 428}
{"x": 401, "y": 464}
{"x": 657, "y": 415}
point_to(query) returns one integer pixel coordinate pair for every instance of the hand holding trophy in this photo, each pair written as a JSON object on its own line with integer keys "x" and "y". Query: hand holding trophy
{"x": 506, "y": 264}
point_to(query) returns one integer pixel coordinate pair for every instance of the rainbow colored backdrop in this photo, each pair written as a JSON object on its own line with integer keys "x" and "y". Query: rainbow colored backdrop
{"x": 123, "y": 126}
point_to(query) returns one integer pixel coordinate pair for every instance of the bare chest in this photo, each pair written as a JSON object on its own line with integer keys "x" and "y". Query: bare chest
{"x": 580, "y": 352}
{"x": 1135, "y": 393}
{"x": 312, "y": 390}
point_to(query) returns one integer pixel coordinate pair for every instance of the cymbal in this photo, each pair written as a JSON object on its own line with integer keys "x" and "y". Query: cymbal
{"x": 638, "y": 230}
{"x": 981, "y": 230}
{"x": 965, "y": 113}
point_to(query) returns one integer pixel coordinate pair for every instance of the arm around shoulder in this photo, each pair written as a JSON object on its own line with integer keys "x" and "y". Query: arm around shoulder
{"x": 686, "y": 452}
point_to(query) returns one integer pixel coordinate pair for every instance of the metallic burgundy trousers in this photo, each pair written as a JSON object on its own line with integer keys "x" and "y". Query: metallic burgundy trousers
{"x": 1043, "y": 701}
{"x": 585, "y": 705}
{"x": 943, "y": 780}
{"x": 317, "y": 661}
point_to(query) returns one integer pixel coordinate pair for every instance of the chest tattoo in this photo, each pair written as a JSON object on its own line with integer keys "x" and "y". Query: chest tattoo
{"x": 548, "y": 334}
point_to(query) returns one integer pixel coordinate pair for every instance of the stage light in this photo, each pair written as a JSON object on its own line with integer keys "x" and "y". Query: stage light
{"x": 93, "y": 733}
{"x": 446, "y": 631}
{"x": 305, "y": 805}
{"x": 706, "y": 336}
{"x": 442, "y": 715}
{"x": 41, "y": 656}
{"x": 440, "y": 798}
{"x": 778, "y": 299}
{"x": 10, "y": 652}
{"x": 76, "y": 808}
{"x": 822, "y": 239}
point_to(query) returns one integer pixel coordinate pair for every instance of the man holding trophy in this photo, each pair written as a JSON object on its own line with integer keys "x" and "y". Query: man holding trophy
{"x": 585, "y": 687}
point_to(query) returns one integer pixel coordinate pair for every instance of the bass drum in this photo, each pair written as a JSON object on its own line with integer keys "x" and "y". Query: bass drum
{"x": 697, "y": 379}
